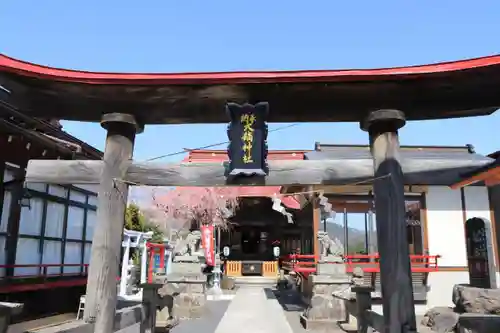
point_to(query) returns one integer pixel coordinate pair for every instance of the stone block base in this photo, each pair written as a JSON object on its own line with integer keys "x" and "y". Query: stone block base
{"x": 318, "y": 325}
{"x": 324, "y": 310}
{"x": 478, "y": 323}
{"x": 182, "y": 299}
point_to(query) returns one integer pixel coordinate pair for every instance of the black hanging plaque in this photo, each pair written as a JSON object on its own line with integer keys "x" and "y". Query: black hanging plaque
{"x": 479, "y": 253}
{"x": 247, "y": 133}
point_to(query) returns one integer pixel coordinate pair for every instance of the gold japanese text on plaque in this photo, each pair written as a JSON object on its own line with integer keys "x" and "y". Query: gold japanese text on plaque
{"x": 247, "y": 134}
{"x": 247, "y": 120}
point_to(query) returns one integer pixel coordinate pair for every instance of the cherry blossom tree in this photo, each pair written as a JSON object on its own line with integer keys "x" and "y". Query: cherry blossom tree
{"x": 195, "y": 206}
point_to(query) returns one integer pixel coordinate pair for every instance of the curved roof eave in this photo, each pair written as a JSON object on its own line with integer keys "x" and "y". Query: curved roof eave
{"x": 489, "y": 173}
{"x": 23, "y": 68}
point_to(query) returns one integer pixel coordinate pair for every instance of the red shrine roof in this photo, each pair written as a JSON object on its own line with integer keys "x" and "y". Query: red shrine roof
{"x": 443, "y": 90}
{"x": 202, "y": 155}
{"x": 207, "y": 155}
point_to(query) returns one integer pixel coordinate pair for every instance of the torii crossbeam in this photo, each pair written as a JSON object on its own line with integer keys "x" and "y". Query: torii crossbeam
{"x": 328, "y": 172}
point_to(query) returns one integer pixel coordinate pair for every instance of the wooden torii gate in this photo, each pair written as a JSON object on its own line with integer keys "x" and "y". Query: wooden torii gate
{"x": 116, "y": 172}
{"x": 293, "y": 96}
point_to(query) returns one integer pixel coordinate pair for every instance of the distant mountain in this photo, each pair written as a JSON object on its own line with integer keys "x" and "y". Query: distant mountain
{"x": 356, "y": 237}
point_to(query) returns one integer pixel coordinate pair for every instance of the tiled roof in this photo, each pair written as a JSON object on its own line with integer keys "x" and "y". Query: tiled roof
{"x": 327, "y": 152}
{"x": 47, "y": 132}
{"x": 438, "y": 163}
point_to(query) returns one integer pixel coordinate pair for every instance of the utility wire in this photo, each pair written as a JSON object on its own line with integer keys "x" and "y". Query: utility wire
{"x": 214, "y": 144}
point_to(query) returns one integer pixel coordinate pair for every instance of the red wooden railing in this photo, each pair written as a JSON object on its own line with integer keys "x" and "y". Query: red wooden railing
{"x": 305, "y": 264}
{"x": 43, "y": 269}
{"x": 299, "y": 263}
{"x": 42, "y": 279}
{"x": 421, "y": 263}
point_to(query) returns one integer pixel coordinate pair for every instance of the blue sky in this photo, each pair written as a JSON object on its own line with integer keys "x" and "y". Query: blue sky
{"x": 220, "y": 35}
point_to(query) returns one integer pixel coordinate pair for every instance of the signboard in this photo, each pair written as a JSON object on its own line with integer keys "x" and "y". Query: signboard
{"x": 207, "y": 241}
{"x": 247, "y": 133}
{"x": 157, "y": 261}
{"x": 480, "y": 253}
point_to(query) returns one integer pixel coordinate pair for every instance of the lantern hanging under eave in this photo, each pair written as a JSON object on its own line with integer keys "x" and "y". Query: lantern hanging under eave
{"x": 247, "y": 133}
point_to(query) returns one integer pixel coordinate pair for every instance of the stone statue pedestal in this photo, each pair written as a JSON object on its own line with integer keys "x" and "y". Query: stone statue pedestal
{"x": 183, "y": 294}
{"x": 324, "y": 310}
{"x": 331, "y": 265}
{"x": 187, "y": 265}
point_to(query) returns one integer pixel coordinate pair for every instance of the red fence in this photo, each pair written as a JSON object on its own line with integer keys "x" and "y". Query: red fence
{"x": 300, "y": 263}
{"x": 43, "y": 278}
{"x": 43, "y": 270}
{"x": 306, "y": 263}
{"x": 370, "y": 262}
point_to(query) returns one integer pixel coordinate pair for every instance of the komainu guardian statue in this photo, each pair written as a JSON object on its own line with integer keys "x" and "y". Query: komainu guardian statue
{"x": 329, "y": 248}
{"x": 190, "y": 245}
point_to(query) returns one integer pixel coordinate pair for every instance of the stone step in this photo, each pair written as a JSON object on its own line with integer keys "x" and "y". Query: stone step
{"x": 255, "y": 280}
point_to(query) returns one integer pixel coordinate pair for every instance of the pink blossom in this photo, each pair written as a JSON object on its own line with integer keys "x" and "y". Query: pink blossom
{"x": 202, "y": 205}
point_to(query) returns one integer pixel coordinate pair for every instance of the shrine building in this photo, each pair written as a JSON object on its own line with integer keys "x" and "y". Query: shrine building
{"x": 45, "y": 230}
{"x": 436, "y": 207}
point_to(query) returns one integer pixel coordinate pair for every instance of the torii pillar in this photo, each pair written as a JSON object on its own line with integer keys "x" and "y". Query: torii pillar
{"x": 395, "y": 268}
{"x": 101, "y": 298}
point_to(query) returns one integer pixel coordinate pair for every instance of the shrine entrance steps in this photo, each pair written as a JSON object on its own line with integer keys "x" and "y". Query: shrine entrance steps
{"x": 261, "y": 281}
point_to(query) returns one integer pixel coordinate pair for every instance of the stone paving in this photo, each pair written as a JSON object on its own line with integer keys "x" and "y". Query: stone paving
{"x": 252, "y": 310}
{"x": 208, "y": 323}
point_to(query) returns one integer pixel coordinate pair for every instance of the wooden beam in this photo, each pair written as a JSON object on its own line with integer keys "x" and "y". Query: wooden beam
{"x": 494, "y": 235}
{"x": 316, "y": 219}
{"x": 351, "y": 207}
{"x": 425, "y": 227}
{"x": 306, "y": 172}
{"x": 101, "y": 298}
{"x": 14, "y": 220}
{"x": 494, "y": 179}
{"x": 2, "y": 187}
{"x": 488, "y": 176}
{"x": 362, "y": 189}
